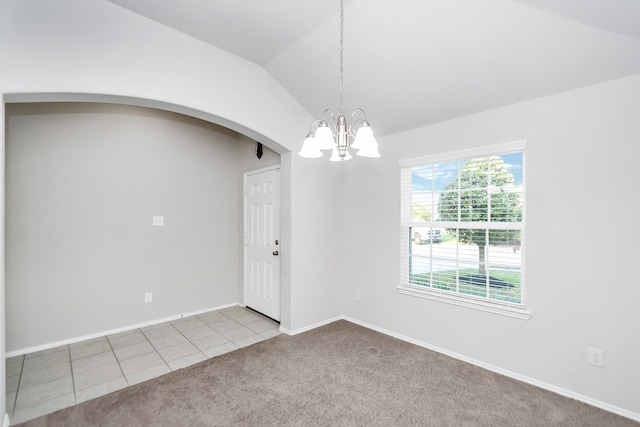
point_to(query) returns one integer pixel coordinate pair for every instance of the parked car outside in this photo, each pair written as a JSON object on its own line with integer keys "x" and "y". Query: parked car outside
{"x": 422, "y": 235}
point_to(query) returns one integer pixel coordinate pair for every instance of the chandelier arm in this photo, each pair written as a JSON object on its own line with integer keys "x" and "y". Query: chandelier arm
{"x": 315, "y": 122}
{"x": 333, "y": 117}
{"x": 360, "y": 110}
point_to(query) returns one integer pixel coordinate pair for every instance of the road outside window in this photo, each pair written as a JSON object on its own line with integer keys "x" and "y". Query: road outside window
{"x": 462, "y": 228}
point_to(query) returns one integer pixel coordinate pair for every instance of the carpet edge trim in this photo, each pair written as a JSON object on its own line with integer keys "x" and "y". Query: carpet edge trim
{"x": 550, "y": 387}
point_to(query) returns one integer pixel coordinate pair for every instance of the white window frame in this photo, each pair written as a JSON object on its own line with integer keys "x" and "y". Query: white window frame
{"x": 520, "y": 310}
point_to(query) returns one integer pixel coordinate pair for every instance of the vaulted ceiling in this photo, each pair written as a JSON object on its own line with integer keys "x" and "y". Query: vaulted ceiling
{"x": 410, "y": 63}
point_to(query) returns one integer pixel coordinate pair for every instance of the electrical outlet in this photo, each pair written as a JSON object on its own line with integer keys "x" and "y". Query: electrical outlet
{"x": 148, "y": 297}
{"x": 158, "y": 221}
{"x": 596, "y": 357}
{"x": 358, "y": 297}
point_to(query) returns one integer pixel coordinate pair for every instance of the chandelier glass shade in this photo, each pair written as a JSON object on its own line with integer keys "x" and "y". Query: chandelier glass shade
{"x": 334, "y": 132}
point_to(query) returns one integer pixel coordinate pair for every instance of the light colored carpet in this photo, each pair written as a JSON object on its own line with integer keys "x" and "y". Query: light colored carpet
{"x": 339, "y": 374}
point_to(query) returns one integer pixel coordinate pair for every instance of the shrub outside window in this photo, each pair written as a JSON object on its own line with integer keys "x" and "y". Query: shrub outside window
{"x": 462, "y": 228}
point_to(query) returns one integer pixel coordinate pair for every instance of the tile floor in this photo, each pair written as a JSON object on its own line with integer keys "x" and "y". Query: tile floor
{"x": 49, "y": 380}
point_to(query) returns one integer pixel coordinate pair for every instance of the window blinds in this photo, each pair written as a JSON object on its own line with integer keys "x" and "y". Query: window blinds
{"x": 462, "y": 224}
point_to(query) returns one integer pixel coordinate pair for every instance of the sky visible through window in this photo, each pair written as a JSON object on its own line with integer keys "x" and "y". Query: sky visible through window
{"x": 436, "y": 176}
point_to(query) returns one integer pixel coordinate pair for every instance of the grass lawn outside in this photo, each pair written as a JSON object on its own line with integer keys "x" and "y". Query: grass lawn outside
{"x": 501, "y": 285}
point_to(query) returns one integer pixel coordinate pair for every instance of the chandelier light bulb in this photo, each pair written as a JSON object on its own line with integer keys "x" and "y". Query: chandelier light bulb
{"x": 364, "y": 137}
{"x": 324, "y": 136}
{"x": 310, "y": 148}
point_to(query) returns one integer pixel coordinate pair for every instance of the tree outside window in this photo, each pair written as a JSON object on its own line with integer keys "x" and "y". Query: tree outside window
{"x": 477, "y": 203}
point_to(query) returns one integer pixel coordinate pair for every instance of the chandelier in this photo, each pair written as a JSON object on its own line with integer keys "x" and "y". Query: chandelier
{"x": 334, "y": 132}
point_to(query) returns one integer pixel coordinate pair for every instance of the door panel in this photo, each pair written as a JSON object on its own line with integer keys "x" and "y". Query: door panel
{"x": 262, "y": 231}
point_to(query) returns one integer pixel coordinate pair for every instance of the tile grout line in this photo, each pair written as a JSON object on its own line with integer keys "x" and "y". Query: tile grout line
{"x": 15, "y": 401}
{"x": 115, "y": 356}
{"x": 192, "y": 343}
{"x": 156, "y": 350}
{"x": 73, "y": 377}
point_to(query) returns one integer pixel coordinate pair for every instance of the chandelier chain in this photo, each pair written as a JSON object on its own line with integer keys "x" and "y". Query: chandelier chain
{"x": 341, "y": 54}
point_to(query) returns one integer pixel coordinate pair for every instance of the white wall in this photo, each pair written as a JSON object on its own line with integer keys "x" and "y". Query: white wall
{"x": 316, "y": 252}
{"x": 82, "y": 184}
{"x": 581, "y": 243}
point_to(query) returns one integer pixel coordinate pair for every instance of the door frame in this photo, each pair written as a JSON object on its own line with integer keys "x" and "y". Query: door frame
{"x": 244, "y": 230}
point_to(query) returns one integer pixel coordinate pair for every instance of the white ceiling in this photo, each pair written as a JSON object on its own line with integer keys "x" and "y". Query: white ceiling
{"x": 410, "y": 63}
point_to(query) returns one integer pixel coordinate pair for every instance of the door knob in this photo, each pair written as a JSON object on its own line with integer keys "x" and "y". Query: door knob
{"x": 276, "y": 253}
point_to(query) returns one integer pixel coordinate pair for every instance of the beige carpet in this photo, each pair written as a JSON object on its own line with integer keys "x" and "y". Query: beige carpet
{"x": 339, "y": 374}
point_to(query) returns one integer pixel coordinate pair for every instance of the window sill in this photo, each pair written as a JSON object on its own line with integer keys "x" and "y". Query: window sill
{"x": 449, "y": 298}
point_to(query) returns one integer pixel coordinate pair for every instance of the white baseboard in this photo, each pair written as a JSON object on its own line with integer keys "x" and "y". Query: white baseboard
{"x": 561, "y": 391}
{"x": 308, "y": 328}
{"x": 112, "y": 331}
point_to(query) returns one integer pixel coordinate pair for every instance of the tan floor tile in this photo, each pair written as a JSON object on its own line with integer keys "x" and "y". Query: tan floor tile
{"x": 97, "y": 376}
{"x": 36, "y": 394}
{"x": 93, "y": 361}
{"x": 147, "y": 374}
{"x": 270, "y": 333}
{"x": 48, "y": 352}
{"x": 47, "y": 407}
{"x": 248, "y": 318}
{"x": 157, "y": 331}
{"x": 13, "y": 365}
{"x": 185, "y": 361}
{"x": 125, "y": 353}
{"x": 101, "y": 389}
{"x": 10, "y": 401}
{"x": 46, "y": 360}
{"x": 122, "y": 334}
{"x": 210, "y": 341}
{"x": 221, "y": 349}
{"x": 132, "y": 338}
{"x": 39, "y": 376}
{"x": 168, "y": 341}
{"x": 178, "y": 351}
{"x": 247, "y": 341}
{"x": 237, "y": 333}
{"x": 201, "y": 332}
{"x": 11, "y": 383}
{"x": 90, "y": 349}
{"x": 85, "y": 343}
{"x": 140, "y": 363}
{"x": 225, "y": 325}
{"x": 234, "y": 312}
{"x": 187, "y": 323}
{"x": 262, "y": 325}
{"x": 212, "y": 317}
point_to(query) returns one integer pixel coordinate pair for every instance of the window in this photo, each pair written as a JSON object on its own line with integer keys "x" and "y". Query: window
{"x": 462, "y": 228}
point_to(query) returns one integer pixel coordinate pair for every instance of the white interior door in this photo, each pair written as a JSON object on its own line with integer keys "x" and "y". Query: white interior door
{"x": 261, "y": 241}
